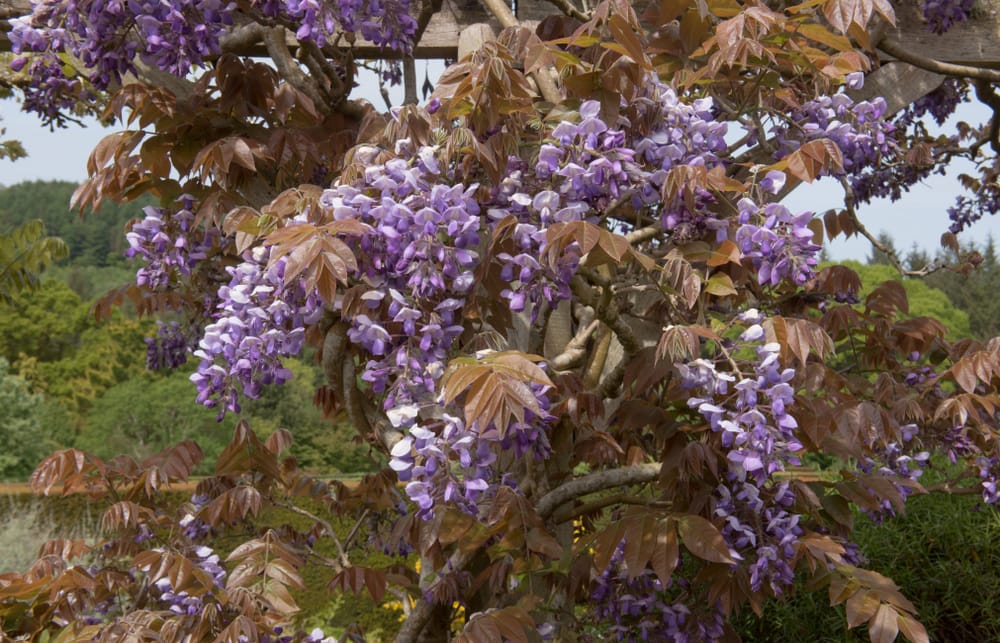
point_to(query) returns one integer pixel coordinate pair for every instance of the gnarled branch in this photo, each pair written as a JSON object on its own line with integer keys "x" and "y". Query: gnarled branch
{"x": 274, "y": 39}
{"x": 597, "y": 481}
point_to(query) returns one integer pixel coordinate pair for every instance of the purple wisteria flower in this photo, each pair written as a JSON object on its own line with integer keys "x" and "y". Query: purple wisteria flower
{"x": 111, "y": 36}
{"x": 858, "y": 129}
{"x": 259, "y": 319}
{"x": 779, "y": 243}
{"x": 168, "y": 245}
{"x": 942, "y": 15}
{"x": 641, "y": 608}
{"x": 758, "y": 432}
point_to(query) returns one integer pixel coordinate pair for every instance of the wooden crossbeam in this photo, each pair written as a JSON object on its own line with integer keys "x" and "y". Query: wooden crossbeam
{"x": 976, "y": 42}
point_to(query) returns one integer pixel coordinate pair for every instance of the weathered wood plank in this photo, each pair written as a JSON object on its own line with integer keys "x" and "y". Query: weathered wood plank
{"x": 899, "y": 84}
{"x": 976, "y": 42}
{"x": 473, "y": 37}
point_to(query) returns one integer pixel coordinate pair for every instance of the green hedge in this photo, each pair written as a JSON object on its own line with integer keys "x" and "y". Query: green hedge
{"x": 944, "y": 553}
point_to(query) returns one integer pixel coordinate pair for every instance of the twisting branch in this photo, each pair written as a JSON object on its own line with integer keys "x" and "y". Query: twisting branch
{"x": 422, "y": 610}
{"x": 409, "y": 81}
{"x": 334, "y": 349}
{"x": 612, "y": 381}
{"x": 608, "y": 312}
{"x": 243, "y": 37}
{"x": 576, "y": 349}
{"x": 335, "y": 88}
{"x": 895, "y": 49}
{"x": 988, "y": 96}
{"x": 569, "y": 9}
{"x": 320, "y": 67}
{"x": 598, "y": 357}
{"x": 597, "y": 481}
{"x": 643, "y": 234}
{"x": 890, "y": 253}
{"x": 274, "y": 39}
{"x": 569, "y": 513}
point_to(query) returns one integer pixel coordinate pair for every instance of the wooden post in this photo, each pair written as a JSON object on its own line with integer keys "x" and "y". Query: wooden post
{"x": 472, "y": 38}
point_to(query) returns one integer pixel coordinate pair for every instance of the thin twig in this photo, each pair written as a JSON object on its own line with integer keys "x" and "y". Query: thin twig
{"x": 341, "y": 551}
{"x": 890, "y": 253}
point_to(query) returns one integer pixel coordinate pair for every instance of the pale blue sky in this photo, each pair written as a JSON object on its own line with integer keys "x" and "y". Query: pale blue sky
{"x": 919, "y": 218}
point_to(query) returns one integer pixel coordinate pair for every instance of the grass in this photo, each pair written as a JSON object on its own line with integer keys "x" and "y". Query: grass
{"x": 30, "y": 521}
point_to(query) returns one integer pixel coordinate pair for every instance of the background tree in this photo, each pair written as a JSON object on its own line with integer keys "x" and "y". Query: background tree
{"x": 563, "y": 299}
{"x": 27, "y": 426}
{"x": 92, "y": 239}
{"x": 25, "y": 252}
{"x": 924, "y": 300}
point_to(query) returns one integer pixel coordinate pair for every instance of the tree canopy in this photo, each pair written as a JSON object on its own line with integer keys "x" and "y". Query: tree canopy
{"x": 562, "y": 298}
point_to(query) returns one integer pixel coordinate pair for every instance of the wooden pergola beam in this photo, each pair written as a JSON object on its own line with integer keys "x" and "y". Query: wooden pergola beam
{"x": 976, "y": 42}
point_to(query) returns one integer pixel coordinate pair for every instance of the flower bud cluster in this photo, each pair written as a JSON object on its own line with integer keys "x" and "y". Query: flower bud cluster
{"x": 891, "y": 180}
{"x": 858, "y": 129}
{"x": 588, "y": 167}
{"x": 758, "y": 520}
{"x": 195, "y": 529}
{"x": 968, "y": 210}
{"x": 417, "y": 265}
{"x": 182, "y": 602}
{"x": 896, "y": 461}
{"x": 109, "y": 36}
{"x": 386, "y": 23}
{"x": 939, "y": 104}
{"x": 448, "y": 462}
{"x": 171, "y": 346}
{"x": 942, "y": 15}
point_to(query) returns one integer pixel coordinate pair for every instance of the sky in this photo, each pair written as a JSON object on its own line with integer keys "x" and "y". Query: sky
{"x": 918, "y": 219}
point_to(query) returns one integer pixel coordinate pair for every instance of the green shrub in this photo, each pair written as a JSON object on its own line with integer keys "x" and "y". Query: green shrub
{"x": 944, "y": 553}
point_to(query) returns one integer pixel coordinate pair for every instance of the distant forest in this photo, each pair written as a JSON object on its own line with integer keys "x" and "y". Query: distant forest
{"x": 94, "y": 239}
{"x": 68, "y": 380}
